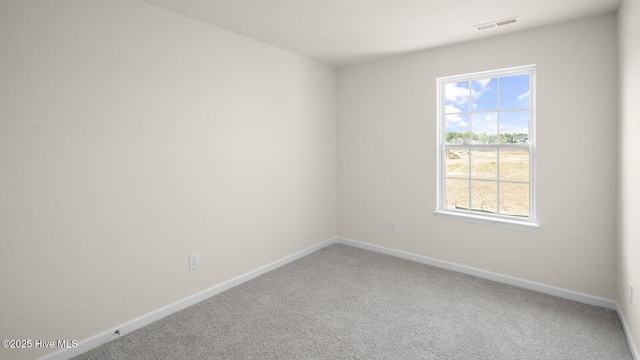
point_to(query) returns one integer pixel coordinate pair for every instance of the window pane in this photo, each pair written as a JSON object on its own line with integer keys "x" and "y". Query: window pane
{"x": 484, "y": 164}
{"x": 484, "y": 128}
{"x": 457, "y": 194}
{"x": 514, "y": 127}
{"x": 484, "y": 95}
{"x": 457, "y": 129}
{"x": 514, "y": 92}
{"x": 457, "y": 163}
{"x": 514, "y": 199}
{"x": 456, "y": 97}
{"x": 484, "y": 196}
{"x": 514, "y": 165}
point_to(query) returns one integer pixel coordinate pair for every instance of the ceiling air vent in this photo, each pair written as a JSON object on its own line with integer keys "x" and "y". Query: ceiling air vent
{"x": 498, "y": 23}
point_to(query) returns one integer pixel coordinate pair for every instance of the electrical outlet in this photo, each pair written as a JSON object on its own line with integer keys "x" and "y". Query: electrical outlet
{"x": 194, "y": 261}
{"x": 392, "y": 225}
{"x": 630, "y": 294}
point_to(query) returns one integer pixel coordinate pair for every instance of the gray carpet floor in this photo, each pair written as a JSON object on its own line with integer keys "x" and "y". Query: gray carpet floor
{"x": 347, "y": 303}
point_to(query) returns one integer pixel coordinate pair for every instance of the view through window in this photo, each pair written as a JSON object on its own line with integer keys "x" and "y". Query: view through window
{"x": 486, "y": 143}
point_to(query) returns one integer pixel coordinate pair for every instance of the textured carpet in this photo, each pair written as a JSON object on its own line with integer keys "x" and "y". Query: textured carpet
{"x": 347, "y": 303}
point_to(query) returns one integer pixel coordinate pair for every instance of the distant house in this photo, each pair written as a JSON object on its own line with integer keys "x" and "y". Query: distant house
{"x": 461, "y": 141}
{"x": 521, "y": 139}
{"x": 465, "y": 140}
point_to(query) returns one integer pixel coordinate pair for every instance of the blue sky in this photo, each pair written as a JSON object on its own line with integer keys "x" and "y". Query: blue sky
{"x": 482, "y": 95}
{"x": 514, "y": 122}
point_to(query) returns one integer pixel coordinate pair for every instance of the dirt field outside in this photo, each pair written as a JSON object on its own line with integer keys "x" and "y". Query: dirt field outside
{"x": 510, "y": 179}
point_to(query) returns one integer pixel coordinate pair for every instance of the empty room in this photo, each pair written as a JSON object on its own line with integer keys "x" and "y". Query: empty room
{"x": 320, "y": 179}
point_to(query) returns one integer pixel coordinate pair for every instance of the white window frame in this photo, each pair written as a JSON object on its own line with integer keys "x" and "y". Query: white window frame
{"x": 501, "y": 220}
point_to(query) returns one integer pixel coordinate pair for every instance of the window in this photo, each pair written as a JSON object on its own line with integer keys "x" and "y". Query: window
{"x": 486, "y": 147}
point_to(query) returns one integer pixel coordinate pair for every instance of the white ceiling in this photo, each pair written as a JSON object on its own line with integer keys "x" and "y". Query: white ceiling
{"x": 341, "y": 32}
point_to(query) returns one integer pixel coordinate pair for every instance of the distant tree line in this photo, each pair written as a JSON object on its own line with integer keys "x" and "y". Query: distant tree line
{"x": 483, "y": 138}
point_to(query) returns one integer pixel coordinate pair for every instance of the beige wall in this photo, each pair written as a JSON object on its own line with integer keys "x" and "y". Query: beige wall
{"x": 629, "y": 160}
{"x": 131, "y": 137}
{"x": 387, "y": 156}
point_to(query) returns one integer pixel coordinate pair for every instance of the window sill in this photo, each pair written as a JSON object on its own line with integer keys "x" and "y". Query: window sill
{"x": 485, "y": 220}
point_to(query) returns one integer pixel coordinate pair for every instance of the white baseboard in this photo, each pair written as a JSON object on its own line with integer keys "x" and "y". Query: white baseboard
{"x": 627, "y": 333}
{"x": 531, "y": 285}
{"x": 104, "y": 337}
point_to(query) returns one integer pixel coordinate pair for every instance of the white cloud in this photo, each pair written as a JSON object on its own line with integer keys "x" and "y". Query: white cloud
{"x": 457, "y": 121}
{"x": 456, "y": 94}
{"x": 478, "y": 91}
{"x": 454, "y": 119}
{"x": 483, "y": 82}
{"x": 522, "y": 96}
{"x": 451, "y": 109}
